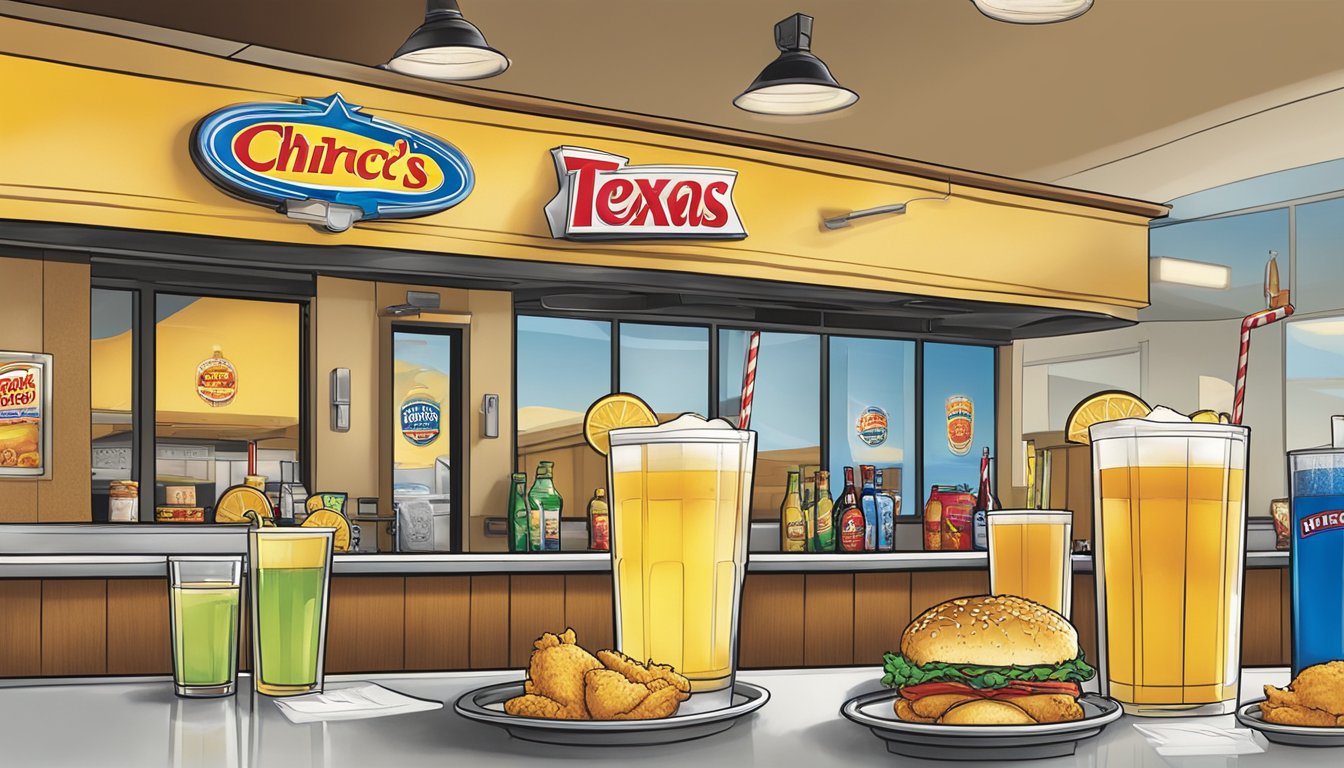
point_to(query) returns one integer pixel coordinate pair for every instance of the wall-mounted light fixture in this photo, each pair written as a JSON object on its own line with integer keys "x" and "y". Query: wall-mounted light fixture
{"x": 796, "y": 83}
{"x": 1200, "y": 274}
{"x": 1033, "y": 11}
{"x": 840, "y": 222}
{"x": 447, "y": 47}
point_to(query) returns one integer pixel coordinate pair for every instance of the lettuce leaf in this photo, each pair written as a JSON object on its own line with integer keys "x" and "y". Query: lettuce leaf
{"x": 901, "y": 672}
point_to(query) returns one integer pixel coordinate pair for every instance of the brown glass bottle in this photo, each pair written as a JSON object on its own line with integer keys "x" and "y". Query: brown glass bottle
{"x": 848, "y": 517}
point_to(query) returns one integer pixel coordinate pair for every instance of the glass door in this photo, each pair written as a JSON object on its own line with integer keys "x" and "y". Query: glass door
{"x": 427, "y": 424}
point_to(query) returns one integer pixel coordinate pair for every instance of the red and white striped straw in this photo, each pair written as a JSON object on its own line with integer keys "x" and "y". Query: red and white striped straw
{"x": 749, "y": 381}
{"x": 1254, "y": 320}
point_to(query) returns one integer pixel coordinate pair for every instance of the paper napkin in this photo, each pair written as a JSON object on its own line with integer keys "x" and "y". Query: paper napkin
{"x": 1193, "y": 739}
{"x": 355, "y": 702}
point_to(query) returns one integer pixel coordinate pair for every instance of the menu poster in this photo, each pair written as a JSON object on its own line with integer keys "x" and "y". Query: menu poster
{"x": 25, "y": 415}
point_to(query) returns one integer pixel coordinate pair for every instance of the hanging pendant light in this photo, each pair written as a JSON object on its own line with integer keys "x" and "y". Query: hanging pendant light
{"x": 796, "y": 83}
{"x": 447, "y": 47}
{"x": 1033, "y": 11}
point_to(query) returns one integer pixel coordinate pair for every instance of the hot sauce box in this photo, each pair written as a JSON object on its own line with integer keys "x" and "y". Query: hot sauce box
{"x": 947, "y": 518}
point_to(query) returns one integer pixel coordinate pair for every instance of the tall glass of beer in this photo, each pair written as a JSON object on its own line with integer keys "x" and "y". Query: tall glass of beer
{"x": 1029, "y": 556}
{"x": 1170, "y": 516}
{"x": 680, "y": 493}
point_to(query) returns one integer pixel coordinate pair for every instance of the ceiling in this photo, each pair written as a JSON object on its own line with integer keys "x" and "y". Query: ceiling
{"x": 938, "y": 81}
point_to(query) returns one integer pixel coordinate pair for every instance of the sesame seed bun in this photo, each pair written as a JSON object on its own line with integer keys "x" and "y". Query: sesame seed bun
{"x": 991, "y": 631}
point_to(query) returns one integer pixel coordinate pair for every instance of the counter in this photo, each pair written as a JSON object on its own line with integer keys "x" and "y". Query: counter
{"x": 142, "y": 725}
{"x": 129, "y": 551}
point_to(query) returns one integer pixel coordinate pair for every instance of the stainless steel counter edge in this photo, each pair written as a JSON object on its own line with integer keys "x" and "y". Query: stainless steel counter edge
{"x": 112, "y": 551}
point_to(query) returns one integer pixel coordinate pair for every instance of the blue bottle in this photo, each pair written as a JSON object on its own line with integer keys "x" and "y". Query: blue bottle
{"x": 1316, "y": 487}
{"x": 886, "y": 517}
{"x": 868, "y": 503}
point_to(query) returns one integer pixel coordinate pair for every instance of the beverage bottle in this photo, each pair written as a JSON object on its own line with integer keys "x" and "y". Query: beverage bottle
{"x": 792, "y": 526}
{"x": 849, "y": 516}
{"x": 984, "y": 503}
{"x": 519, "y": 537}
{"x": 599, "y": 522}
{"x": 887, "y": 509}
{"x": 809, "y": 485}
{"x": 544, "y": 505}
{"x": 825, "y": 524}
{"x": 868, "y": 502}
{"x": 933, "y": 522}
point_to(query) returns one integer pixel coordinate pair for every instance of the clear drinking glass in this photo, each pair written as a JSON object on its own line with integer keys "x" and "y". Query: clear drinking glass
{"x": 1029, "y": 556}
{"x": 1170, "y": 516}
{"x": 680, "y": 493}
{"x": 291, "y": 573}
{"x": 203, "y": 609}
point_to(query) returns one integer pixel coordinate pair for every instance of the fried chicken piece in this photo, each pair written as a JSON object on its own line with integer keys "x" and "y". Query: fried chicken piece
{"x": 985, "y": 712}
{"x": 555, "y": 673}
{"x": 933, "y": 707}
{"x": 1049, "y": 707}
{"x": 643, "y": 673}
{"x": 532, "y": 705}
{"x": 906, "y": 712}
{"x": 612, "y": 696}
{"x": 1292, "y": 715}
{"x": 1321, "y": 686}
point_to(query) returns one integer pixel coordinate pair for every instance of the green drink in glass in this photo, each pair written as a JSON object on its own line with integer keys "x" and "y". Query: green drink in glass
{"x": 203, "y": 600}
{"x": 290, "y": 575}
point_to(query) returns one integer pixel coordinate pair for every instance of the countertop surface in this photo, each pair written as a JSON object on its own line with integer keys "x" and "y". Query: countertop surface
{"x": 143, "y": 725}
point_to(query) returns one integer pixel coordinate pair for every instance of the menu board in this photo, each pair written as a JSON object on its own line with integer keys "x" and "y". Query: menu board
{"x": 25, "y": 415}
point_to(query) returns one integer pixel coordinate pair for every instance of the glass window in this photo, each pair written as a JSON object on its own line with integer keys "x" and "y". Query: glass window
{"x": 667, "y": 366}
{"x": 872, "y": 412}
{"x": 563, "y": 365}
{"x": 227, "y": 373}
{"x": 1051, "y": 390}
{"x": 425, "y": 420}
{"x": 959, "y": 415}
{"x": 785, "y": 411}
{"x": 1314, "y": 381}
{"x": 1320, "y": 251}
{"x": 112, "y": 399}
{"x": 1240, "y": 242}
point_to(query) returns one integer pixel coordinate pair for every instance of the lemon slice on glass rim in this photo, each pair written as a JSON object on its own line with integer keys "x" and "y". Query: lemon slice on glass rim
{"x": 1104, "y": 406}
{"x": 619, "y": 411}
{"x": 330, "y": 518}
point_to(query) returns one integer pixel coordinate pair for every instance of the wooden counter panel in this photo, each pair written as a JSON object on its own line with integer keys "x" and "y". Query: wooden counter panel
{"x": 881, "y": 613}
{"x": 366, "y": 623}
{"x": 929, "y": 588}
{"x": 438, "y": 622}
{"x": 536, "y": 605}
{"x": 590, "y": 611}
{"x": 828, "y": 626}
{"x": 20, "y": 628}
{"x": 1261, "y": 627}
{"x": 74, "y": 627}
{"x": 139, "y": 630}
{"x": 771, "y": 629}
{"x": 489, "y": 622}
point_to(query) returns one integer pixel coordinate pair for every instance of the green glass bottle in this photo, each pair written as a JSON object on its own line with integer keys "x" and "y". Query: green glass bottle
{"x": 518, "y": 530}
{"x": 543, "y": 506}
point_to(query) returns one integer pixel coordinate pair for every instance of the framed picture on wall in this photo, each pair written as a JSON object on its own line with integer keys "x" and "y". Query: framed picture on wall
{"x": 25, "y": 415}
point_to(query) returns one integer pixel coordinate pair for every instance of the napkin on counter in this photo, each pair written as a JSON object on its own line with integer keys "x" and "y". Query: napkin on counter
{"x": 1193, "y": 739}
{"x": 355, "y": 702}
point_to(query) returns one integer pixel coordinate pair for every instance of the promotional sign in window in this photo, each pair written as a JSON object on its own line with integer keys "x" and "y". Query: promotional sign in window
{"x": 25, "y": 414}
{"x": 326, "y": 162}
{"x": 602, "y": 197}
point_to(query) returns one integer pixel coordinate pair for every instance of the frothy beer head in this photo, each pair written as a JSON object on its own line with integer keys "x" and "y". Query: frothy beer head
{"x": 1167, "y": 439}
{"x": 687, "y": 442}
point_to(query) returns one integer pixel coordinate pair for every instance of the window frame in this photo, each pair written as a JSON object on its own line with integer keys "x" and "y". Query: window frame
{"x": 824, "y": 334}
{"x": 144, "y": 302}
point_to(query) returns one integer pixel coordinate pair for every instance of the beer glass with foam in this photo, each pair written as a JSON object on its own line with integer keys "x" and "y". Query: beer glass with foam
{"x": 1029, "y": 556}
{"x": 680, "y": 495}
{"x": 1170, "y": 515}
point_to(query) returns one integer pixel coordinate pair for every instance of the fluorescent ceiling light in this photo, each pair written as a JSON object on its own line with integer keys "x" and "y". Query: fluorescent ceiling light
{"x": 1327, "y": 327}
{"x": 1033, "y": 11}
{"x": 1200, "y": 274}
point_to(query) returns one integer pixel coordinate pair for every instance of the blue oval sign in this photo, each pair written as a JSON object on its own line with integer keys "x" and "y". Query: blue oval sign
{"x": 420, "y": 421}
{"x": 324, "y": 161}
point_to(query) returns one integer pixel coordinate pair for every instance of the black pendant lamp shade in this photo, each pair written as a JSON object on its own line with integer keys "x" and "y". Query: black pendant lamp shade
{"x": 796, "y": 83}
{"x": 447, "y": 47}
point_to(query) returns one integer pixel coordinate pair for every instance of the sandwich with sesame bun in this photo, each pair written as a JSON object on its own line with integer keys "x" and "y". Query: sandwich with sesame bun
{"x": 988, "y": 660}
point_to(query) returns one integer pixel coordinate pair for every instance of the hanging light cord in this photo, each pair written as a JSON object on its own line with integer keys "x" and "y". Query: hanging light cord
{"x": 840, "y": 222}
